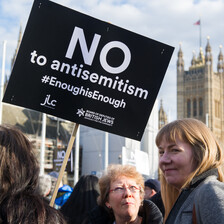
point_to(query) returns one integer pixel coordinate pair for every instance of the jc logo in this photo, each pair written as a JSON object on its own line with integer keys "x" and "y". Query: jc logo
{"x": 48, "y": 102}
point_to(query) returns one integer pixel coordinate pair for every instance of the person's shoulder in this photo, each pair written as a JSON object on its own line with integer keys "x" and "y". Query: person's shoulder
{"x": 149, "y": 204}
{"x": 210, "y": 189}
{"x": 150, "y": 207}
{"x": 209, "y": 201}
{"x": 211, "y": 183}
{"x": 157, "y": 199}
{"x": 98, "y": 215}
{"x": 97, "y": 211}
{"x": 151, "y": 213}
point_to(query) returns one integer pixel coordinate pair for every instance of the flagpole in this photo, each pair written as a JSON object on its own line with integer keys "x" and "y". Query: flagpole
{"x": 200, "y": 34}
{"x": 199, "y": 24}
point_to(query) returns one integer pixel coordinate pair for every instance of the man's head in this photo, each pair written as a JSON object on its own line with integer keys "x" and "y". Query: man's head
{"x": 152, "y": 186}
{"x": 45, "y": 184}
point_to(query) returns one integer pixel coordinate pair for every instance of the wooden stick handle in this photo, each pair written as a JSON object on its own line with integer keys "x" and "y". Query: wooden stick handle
{"x": 68, "y": 151}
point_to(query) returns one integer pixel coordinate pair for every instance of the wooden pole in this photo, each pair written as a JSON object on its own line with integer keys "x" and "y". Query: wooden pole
{"x": 2, "y": 79}
{"x": 43, "y": 138}
{"x": 68, "y": 151}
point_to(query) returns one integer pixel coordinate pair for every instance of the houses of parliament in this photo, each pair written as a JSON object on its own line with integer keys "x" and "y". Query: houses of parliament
{"x": 200, "y": 90}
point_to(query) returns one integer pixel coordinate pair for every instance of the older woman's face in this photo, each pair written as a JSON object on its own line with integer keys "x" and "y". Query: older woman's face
{"x": 176, "y": 161}
{"x": 124, "y": 198}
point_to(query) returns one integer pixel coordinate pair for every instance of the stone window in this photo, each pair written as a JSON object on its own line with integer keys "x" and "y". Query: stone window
{"x": 194, "y": 107}
{"x": 200, "y": 106}
{"x": 188, "y": 108}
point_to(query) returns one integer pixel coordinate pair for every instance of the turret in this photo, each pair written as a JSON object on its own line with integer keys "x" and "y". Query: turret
{"x": 162, "y": 115}
{"x": 201, "y": 58}
{"x": 208, "y": 53}
{"x": 220, "y": 66}
{"x": 180, "y": 60}
{"x": 193, "y": 61}
{"x": 180, "y": 81}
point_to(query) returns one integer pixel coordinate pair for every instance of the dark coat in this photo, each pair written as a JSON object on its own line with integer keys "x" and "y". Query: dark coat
{"x": 149, "y": 212}
{"x": 157, "y": 199}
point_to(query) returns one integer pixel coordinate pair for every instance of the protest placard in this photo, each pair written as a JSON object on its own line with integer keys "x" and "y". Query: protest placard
{"x": 88, "y": 71}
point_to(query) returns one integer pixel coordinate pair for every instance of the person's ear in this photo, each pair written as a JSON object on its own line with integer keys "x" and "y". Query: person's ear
{"x": 108, "y": 205}
{"x": 153, "y": 192}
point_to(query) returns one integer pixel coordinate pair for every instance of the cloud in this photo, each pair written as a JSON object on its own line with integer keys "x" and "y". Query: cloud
{"x": 167, "y": 22}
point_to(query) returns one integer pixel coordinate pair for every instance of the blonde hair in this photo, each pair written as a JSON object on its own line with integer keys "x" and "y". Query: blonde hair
{"x": 113, "y": 172}
{"x": 206, "y": 151}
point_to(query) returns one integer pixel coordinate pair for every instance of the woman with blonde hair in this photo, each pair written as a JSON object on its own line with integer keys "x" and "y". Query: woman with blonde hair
{"x": 191, "y": 162}
{"x": 121, "y": 199}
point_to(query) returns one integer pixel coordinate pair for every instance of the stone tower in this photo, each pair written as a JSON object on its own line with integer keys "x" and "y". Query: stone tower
{"x": 200, "y": 91}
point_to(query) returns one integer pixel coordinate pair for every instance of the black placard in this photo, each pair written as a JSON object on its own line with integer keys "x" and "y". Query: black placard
{"x": 85, "y": 70}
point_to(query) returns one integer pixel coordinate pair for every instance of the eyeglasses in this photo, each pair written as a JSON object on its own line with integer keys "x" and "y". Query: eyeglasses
{"x": 121, "y": 190}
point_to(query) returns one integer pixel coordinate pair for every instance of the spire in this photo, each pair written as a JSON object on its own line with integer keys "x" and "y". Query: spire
{"x": 208, "y": 52}
{"x": 162, "y": 115}
{"x": 220, "y": 57}
{"x": 201, "y": 58}
{"x": 193, "y": 61}
{"x": 17, "y": 48}
{"x": 220, "y": 66}
{"x": 180, "y": 60}
{"x": 208, "y": 48}
{"x": 161, "y": 104}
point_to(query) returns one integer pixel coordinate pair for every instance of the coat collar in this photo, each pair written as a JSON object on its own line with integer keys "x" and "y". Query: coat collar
{"x": 198, "y": 179}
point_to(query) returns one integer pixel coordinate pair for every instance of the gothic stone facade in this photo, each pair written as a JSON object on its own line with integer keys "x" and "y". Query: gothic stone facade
{"x": 200, "y": 90}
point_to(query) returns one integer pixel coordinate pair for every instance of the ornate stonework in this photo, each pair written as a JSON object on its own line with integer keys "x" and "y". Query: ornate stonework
{"x": 200, "y": 92}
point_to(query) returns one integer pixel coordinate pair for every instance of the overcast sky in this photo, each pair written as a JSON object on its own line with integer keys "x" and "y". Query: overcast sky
{"x": 167, "y": 21}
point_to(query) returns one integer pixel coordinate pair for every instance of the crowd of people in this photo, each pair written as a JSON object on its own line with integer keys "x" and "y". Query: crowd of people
{"x": 190, "y": 188}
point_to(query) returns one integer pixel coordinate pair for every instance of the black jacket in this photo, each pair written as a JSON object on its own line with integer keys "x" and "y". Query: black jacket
{"x": 157, "y": 200}
{"x": 149, "y": 212}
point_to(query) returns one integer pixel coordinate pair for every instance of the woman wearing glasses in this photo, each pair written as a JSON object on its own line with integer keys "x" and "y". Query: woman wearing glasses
{"x": 121, "y": 199}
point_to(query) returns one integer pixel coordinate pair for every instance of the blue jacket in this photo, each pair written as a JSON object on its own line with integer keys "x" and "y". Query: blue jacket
{"x": 63, "y": 194}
